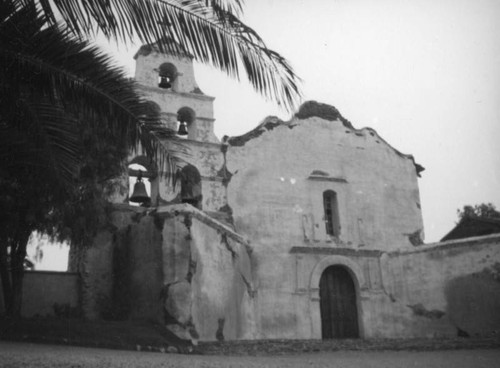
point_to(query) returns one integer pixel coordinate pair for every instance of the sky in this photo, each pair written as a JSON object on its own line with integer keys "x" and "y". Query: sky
{"x": 425, "y": 74}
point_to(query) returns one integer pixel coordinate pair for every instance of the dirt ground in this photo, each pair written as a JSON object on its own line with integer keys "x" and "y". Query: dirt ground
{"x": 13, "y": 355}
{"x": 151, "y": 337}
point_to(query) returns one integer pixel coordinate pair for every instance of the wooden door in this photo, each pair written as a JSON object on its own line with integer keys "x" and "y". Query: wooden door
{"x": 339, "y": 314}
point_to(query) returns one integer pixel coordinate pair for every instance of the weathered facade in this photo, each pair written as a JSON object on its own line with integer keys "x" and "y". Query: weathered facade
{"x": 308, "y": 228}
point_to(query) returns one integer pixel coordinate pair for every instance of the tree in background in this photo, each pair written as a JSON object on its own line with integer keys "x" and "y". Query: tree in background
{"x": 483, "y": 210}
{"x": 68, "y": 117}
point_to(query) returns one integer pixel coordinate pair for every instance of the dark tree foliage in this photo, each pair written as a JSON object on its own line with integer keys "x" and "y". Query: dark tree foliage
{"x": 68, "y": 119}
{"x": 483, "y": 210}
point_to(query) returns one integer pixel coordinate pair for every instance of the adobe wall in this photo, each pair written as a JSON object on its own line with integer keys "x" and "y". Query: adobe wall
{"x": 207, "y": 273}
{"x": 209, "y": 160}
{"x": 436, "y": 290}
{"x": 173, "y": 258}
{"x": 277, "y": 202}
{"x": 122, "y": 271}
{"x": 138, "y": 251}
{"x": 48, "y": 293}
{"x": 120, "y": 276}
{"x": 274, "y": 196}
{"x": 450, "y": 288}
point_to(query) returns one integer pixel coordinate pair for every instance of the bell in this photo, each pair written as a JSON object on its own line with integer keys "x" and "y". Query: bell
{"x": 182, "y": 128}
{"x": 164, "y": 82}
{"x": 139, "y": 194}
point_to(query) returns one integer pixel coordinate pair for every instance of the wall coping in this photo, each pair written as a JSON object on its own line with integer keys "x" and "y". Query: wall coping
{"x": 173, "y": 114}
{"x": 125, "y": 207}
{"x": 187, "y": 209}
{"x": 438, "y": 246}
{"x": 336, "y": 251}
{"x": 47, "y": 272}
{"x": 197, "y": 96}
{"x": 450, "y": 244}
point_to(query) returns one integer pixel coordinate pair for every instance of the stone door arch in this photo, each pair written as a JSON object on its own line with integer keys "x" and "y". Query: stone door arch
{"x": 338, "y": 309}
{"x": 358, "y": 280}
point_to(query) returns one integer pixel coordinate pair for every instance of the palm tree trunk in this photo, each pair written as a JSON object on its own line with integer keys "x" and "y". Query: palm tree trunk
{"x": 75, "y": 257}
{"x": 18, "y": 255}
{"x": 6, "y": 282}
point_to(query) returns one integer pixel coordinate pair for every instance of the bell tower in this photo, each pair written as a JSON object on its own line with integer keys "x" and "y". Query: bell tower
{"x": 167, "y": 80}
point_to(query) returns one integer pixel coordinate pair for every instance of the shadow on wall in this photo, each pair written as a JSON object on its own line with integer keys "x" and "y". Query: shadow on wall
{"x": 136, "y": 279}
{"x": 473, "y": 302}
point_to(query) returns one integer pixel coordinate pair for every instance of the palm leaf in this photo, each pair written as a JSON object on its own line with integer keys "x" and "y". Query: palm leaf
{"x": 208, "y": 29}
{"x": 53, "y": 85}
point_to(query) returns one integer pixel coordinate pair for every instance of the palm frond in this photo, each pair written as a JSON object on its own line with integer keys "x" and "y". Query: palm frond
{"x": 208, "y": 29}
{"x": 47, "y": 74}
{"x": 231, "y": 6}
{"x": 56, "y": 135}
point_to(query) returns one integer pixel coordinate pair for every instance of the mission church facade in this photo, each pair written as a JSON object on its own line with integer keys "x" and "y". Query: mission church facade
{"x": 306, "y": 207}
{"x": 307, "y": 228}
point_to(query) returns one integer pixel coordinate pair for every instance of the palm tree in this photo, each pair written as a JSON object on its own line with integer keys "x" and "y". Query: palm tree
{"x": 68, "y": 116}
{"x": 210, "y": 30}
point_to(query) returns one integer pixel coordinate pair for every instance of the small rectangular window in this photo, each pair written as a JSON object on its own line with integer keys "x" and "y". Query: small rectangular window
{"x": 331, "y": 213}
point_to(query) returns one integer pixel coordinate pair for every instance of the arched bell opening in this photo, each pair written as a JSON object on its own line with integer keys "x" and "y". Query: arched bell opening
{"x": 338, "y": 303}
{"x": 167, "y": 76}
{"x": 143, "y": 182}
{"x": 153, "y": 107}
{"x": 154, "y": 110}
{"x": 190, "y": 181}
{"x": 185, "y": 119}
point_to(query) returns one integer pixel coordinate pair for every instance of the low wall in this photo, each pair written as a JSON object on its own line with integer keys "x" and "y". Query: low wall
{"x": 48, "y": 293}
{"x": 444, "y": 289}
{"x": 436, "y": 290}
{"x": 450, "y": 288}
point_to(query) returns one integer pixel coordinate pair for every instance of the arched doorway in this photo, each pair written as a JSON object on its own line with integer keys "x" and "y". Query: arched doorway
{"x": 339, "y": 313}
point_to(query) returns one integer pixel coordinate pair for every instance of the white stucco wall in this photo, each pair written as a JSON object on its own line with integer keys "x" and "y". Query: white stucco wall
{"x": 278, "y": 205}
{"x": 271, "y": 192}
{"x": 201, "y": 254}
{"x": 459, "y": 279}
